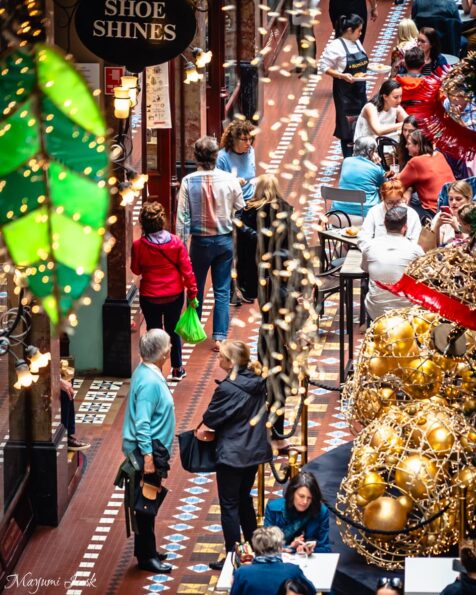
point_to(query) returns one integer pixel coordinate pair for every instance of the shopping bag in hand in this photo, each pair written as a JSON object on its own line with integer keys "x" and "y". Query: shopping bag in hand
{"x": 189, "y": 326}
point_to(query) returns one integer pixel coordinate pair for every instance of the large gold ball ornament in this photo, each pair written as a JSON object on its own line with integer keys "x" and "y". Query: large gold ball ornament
{"x": 372, "y": 486}
{"x": 422, "y": 378}
{"x": 420, "y": 457}
{"x": 386, "y": 438}
{"x": 394, "y": 335}
{"x": 440, "y": 439}
{"x": 385, "y": 514}
{"x": 416, "y": 475}
{"x": 466, "y": 478}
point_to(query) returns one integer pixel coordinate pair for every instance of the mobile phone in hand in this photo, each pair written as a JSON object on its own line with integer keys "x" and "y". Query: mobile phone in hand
{"x": 445, "y": 209}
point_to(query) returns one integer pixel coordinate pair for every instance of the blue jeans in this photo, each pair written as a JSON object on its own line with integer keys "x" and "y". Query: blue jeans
{"x": 215, "y": 253}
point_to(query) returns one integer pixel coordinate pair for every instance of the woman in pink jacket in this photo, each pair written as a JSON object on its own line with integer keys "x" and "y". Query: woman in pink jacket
{"x": 162, "y": 261}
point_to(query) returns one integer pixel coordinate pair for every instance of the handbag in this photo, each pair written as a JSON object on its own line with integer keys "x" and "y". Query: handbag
{"x": 198, "y": 454}
{"x": 150, "y": 493}
{"x": 427, "y": 239}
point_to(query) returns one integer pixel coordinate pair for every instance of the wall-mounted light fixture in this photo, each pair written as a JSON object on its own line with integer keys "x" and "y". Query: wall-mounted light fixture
{"x": 122, "y": 103}
{"x": 9, "y": 321}
{"x": 202, "y": 58}
{"x": 191, "y": 74}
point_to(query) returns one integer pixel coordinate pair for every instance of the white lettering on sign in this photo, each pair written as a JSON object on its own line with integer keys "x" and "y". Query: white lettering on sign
{"x": 131, "y": 8}
{"x": 131, "y": 30}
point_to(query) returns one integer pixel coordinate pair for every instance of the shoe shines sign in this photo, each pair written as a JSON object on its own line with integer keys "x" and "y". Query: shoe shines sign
{"x": 135, "y": 33}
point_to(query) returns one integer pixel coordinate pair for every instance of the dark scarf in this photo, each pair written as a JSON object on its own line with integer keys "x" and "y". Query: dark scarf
{"x": 295, "y": 523}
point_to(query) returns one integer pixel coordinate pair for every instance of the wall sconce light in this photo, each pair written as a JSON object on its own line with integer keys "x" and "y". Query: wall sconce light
{"x": 24, "y": 376}
{"x": 127, "y": 193}
{"x": 130, "y": 82}
{"x": 122, "y": 103}
{"x": 191, "y": 74}
{"x": 202, "y": 58}
{"x": 138, "y": 181}
{"x": 37, "y": 359}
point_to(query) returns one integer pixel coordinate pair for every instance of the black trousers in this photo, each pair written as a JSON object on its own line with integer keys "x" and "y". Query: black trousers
{"x": 165, "y": 316}
{"x": 302, "y": 34}
{"x": 236, "y": 503}
{"x": 144, "y": 541}
{"x": 67, "y": 413}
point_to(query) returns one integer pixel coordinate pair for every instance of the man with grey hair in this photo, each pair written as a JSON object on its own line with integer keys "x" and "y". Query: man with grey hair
{"x": 362, "y": 171}
{"x": 149, "y": 427}
{"x": 386, "y": 258}
{"x": 207, "y": 201}
{"x": 267, "y": 572}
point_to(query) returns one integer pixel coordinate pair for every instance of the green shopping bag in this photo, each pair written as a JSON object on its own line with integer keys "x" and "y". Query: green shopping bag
{"x": 189, "y": 326}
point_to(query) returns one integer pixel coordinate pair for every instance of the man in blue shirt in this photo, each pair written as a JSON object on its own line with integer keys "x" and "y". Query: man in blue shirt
{"x": 150, "y": 415}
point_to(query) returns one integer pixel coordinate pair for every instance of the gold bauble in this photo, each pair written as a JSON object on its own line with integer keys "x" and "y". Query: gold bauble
{"x": 394, "y": 335}
{"x": 406, "y": 502}
{"x": 379, "y": 366}
{"x": 415, "y": 474}
{"x": 439, "y": 401}
{"x": 372, "y": 486}
{"x": 361, "y": 501}
{"x": 446, "y": 363}
{"x": 469, "y": 406}
{"x": 387, "y": 395}
{"x": 385, "y": 514}
{"x": 422, "y": 378}
{"x": 386, "y": 438}
{"x": 440, "y": 439}
{"x": 421, "y": 326}
{"x": 364, "y": 456}
{"x": 466, "y": 478}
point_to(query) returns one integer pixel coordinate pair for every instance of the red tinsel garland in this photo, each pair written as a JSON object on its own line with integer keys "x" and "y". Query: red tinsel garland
{"x": 432, "y": 300}
{"x": 447, "y": 135}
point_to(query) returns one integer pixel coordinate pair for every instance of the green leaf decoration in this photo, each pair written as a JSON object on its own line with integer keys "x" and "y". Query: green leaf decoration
{"x": 54, "y": 198}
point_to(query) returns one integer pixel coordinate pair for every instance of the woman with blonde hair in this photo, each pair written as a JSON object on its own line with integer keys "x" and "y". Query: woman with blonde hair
{"x": 407, "y": 35}
{"x": 266, "y": 202}
{"x": 237, "y": 413}
{"x": 162, "y": 261}
{"x": 447, "y": 224}
{"x": 392, "y": 194}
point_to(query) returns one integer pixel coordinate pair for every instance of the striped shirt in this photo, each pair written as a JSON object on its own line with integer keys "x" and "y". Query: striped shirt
{"x": 206, "y": 204}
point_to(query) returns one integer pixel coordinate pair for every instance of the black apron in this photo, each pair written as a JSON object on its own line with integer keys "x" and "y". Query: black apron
{"x": 349, "y": 98}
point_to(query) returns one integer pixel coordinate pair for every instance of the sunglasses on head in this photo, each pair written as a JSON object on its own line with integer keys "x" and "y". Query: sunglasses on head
{"x": 394, "y": 582}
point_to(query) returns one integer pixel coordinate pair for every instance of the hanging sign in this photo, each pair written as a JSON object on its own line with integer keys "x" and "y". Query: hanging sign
{"x": 135, "y": 33}
{"x": 158, "y": 99}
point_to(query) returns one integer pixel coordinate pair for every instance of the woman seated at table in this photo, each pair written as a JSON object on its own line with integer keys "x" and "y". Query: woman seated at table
{"x": 382, "y": 115}
{"x": 362, "y": 171}
{"x": 392, "y": 193}
{"x": 429, "y": 42}
{"x": 424, "y": 174}
{"x": 410, "y": 123}
{"x": 267, "y": 571}
{"x": 301, "y": 515}
{"x": 447, "y": 225}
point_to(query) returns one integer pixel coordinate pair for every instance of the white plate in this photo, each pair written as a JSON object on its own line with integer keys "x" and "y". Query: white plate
{"x": 379, "y": 68}
{"x": 348, "y": 235}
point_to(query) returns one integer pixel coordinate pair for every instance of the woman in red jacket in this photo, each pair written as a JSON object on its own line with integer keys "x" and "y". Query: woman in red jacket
{"x": 162, "y": 261}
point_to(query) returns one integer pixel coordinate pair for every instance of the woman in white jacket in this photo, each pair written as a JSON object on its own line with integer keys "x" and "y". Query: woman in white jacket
{"x": 303, "y": 16}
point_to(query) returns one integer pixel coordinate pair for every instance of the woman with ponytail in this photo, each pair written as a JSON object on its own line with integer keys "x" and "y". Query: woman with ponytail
{"x": 237, "y": 413}
{"x": 345, "y": 60}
